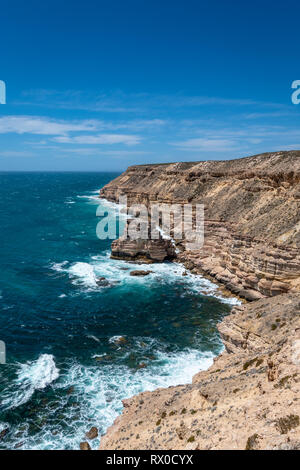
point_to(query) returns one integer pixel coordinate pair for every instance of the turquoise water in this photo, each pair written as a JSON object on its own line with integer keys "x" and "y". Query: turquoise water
{"x": 66, "y": 370}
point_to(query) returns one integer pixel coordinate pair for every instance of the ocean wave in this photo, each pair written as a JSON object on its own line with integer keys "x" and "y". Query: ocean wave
{"x": 92, "y": 196}
{"x": 32, "y": 376}
{"x": 96, "y": 393}
{"x": 84, "y": 274}
{"x": 117, "y": 273}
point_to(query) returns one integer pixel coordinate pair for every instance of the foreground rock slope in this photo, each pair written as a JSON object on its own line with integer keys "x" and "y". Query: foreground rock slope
{"x": 250, "y": 397}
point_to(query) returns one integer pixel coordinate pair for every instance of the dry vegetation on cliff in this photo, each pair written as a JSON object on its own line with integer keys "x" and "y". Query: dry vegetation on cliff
{"x": 249, "y": 398}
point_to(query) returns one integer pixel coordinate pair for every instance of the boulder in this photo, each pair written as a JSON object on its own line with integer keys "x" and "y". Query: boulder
{"x": 92, "y": 433}
{"x": 140, "y": 273}
{"x": 84, "y": 446}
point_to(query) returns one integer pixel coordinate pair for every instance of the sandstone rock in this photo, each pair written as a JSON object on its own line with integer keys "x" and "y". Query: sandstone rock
{"x": 248, "y": 398}
{"x": 143, "y": 250}
{"x": 119, "y": 340}
{"x": 3, "y": 433}
{"x": 234, "y": 404}
{"x": 92, "y": 433}
{"x": 85, "y": 446}
{"x": 252, "y": 232}
{"x": 142, "y": 365}
{"x": 140, "y": 273}
{"x": 102, "y": 282}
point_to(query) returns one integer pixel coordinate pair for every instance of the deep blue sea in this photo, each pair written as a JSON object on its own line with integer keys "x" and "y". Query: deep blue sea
{"x": 66, "y": 370}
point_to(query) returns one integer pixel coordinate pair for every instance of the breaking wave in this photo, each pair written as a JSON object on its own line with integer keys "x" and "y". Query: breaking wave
{"x": 32, "y": 376}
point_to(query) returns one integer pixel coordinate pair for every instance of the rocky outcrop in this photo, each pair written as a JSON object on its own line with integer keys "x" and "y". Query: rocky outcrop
{"x": 248, "y": 267}
{"x": 146, "y": 251}
{"x": 248, "y": 399}
{"x": 252, "y": 219}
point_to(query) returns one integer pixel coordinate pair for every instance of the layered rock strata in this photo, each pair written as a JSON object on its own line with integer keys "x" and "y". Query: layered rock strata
{"x": 250, "y": 397}
{"x": 252, "y": 219}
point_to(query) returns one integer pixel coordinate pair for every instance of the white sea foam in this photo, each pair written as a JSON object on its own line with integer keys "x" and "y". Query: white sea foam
{"x": 32, "y": 376}
{"x": 69, "y": 200}
{"x": 92, "y": 197}
{"x": 94, "y": 338}
{"x": 3, "y": 426}
{"x": 117, "y": 273}
{"x": 98, "y": 392}
{"x": 59, "y": 266}
{"x": 115, "y": 339}
{"x": 101, "y": 389}
{"x": 84, "y": 274}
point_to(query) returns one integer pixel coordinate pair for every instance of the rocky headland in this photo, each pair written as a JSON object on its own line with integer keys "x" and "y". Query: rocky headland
{"x": 249, "y": 398}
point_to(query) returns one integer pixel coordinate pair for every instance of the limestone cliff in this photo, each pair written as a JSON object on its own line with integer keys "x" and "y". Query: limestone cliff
{"x": 252, "y": 219}
{"x": 248, "y": 399}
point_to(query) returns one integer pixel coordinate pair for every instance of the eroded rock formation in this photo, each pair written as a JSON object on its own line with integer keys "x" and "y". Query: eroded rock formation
{"x": 250, "y": 397}
{"x": 252, "y": 220}
{"x": 143, "y": 250}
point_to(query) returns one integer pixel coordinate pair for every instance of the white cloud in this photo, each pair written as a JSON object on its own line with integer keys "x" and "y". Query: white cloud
{"x": 119, "y": 102}
{"x": 101, "y": 139}
{"x": 42, "y": 126}
{"x": 210, "y": 145}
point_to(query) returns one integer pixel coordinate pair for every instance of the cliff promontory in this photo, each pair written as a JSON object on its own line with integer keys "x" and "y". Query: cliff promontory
{"x": 252, "y": 223}
{"x": 250, "y": 397}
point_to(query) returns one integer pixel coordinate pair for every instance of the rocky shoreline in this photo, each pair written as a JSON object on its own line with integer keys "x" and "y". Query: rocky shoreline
{"x": 249, "y": 398}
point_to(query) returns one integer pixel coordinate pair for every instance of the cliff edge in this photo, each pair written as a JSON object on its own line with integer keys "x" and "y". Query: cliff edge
{"x": 252, "y": 223}
{"x": 249, "y": 398}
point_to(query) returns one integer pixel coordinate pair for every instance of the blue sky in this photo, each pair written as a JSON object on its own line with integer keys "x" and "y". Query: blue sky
{"x": 100, "y": 85}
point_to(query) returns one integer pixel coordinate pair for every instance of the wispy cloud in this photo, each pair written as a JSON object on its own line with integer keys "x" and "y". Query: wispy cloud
{"x": 274, "y": 114}
{"x": 120, "y": 102}
{"x": 167, "y": 127}
{"x": 209, "y": 145}
{"x": 42, "y": 126}
{"x": 102, "y": 139}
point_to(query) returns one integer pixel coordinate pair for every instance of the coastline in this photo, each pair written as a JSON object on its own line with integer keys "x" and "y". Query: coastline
{"x": 240, "y": 401}
{"x": 248, "y": 399}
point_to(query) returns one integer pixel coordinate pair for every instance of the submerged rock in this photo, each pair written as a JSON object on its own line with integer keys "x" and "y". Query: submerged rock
{"x": 142, "y": 365}
{"x": 103, "y": 282}
{"x": 118, "y": 340}
{"x": 3, "y": 433}
{"x": 140, "y": 273}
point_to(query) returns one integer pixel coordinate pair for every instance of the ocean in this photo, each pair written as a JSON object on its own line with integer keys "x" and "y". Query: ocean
{"x": 66, "y": 368}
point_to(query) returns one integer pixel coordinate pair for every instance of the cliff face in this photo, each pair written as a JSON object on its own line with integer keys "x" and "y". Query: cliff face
{"x": 252, "y": 219}
{"x": 248, "y": 399}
